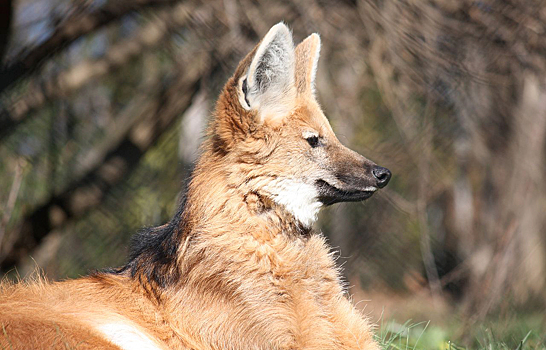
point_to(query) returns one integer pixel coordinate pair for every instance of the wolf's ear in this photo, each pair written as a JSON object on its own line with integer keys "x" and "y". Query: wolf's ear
{"x": 268, "y": 86}
{"x": 307, "y": 56}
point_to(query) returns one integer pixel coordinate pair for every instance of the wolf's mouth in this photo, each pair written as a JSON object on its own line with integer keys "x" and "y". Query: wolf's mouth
{"x": 329, "y": 194}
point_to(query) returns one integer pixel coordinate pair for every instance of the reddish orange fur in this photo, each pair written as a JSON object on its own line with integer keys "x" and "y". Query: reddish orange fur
{"x": 246, "y": 273}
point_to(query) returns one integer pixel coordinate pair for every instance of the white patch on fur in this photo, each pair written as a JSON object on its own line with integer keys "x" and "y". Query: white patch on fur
{"x": 127, "y": 337}
{"x": 298, "y": 198}
{"x": 309, "y": 133}
{"x": 370, "y": 189}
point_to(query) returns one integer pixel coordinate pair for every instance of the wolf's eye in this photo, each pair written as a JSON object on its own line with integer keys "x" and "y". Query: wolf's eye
{"x": 313, "y": 141}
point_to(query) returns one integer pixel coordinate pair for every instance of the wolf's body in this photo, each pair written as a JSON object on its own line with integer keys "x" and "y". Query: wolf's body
{"x": 239, "y": 266}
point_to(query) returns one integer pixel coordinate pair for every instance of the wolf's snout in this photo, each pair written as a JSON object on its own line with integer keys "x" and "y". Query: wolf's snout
{"x": 382, "y": 175}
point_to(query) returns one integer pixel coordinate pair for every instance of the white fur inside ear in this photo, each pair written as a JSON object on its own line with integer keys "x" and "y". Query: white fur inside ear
{"x": 270, "y": 87}
{"x": 241, "y": 92}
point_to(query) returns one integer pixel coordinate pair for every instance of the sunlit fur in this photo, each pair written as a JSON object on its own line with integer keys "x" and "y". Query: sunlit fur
{"x": 238, "y": 267}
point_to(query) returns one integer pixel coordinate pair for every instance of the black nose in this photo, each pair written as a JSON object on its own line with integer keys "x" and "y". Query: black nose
{"x": 383, "y": 175}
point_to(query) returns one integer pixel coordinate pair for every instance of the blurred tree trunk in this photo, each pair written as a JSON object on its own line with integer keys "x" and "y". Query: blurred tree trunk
{"x": 6, "y": 13}
{"x": 507, "y": 257}
{"x": 481, "y": 61}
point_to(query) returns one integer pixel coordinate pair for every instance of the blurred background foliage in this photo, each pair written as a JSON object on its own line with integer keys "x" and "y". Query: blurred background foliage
{"x": 103, "y": 104}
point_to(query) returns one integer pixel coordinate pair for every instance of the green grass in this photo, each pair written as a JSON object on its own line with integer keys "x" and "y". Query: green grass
{"x": 7, "y": 338}
{"x": 492, "y": 335}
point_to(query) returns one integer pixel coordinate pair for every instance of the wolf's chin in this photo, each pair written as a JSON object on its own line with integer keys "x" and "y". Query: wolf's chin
{"x": 329, "y": 194}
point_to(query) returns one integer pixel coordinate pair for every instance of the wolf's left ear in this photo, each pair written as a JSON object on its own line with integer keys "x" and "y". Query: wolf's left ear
{"x": 268, "y": 86}
{"x": 307, "y": 56}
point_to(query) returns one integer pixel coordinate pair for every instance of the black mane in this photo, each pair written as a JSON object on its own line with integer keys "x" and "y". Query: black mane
{"x": 153, "y": 254}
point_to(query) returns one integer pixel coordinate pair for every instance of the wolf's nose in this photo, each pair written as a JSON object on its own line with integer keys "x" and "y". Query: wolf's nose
{"x": 382, "y": 175}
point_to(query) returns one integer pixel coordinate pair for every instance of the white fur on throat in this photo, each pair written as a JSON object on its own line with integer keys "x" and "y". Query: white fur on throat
{"x": 127, "y": 337}
{"x": 299, "y": 198}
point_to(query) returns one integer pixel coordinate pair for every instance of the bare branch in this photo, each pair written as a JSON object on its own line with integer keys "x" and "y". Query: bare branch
{"x": 72, "y": 28}
{"x": 12, "y": 198}
{"x": 6, "y": 15}
{"x": 155, "y": 117}
{"x": 69, "y": 81}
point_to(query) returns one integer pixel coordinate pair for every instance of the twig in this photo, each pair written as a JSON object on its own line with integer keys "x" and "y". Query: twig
{"x": 424, "y": 183}
{"x": 72, "y": 28}
{"x": 67, "y": 82}
{"x": 12, "y": 198}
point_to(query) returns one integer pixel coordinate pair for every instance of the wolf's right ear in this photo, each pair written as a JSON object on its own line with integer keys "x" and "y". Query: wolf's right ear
{"x": 307, "y": 56}
{"x": 268, "y": 85}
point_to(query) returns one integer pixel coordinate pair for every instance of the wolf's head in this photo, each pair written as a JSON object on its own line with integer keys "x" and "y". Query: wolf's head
{"x": 273, "y": 139}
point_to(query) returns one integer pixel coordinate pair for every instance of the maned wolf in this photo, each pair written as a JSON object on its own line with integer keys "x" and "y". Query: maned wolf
{"x": 239, "y": 266}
